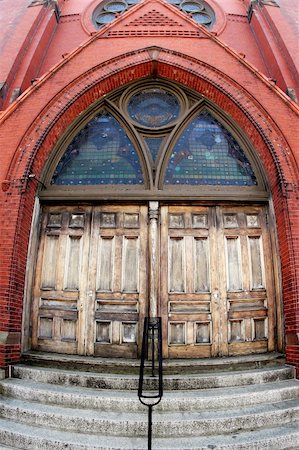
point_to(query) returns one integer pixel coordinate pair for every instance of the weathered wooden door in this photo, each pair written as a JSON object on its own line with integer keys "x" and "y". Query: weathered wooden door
{"x": 59, "y": 294}
{"x": 217, "y": 294}
{"x": 117, "y": 280}
{"x": 90, "y": 287}
{"x": 95, "y": 274}
{"x": 246, "y": 286}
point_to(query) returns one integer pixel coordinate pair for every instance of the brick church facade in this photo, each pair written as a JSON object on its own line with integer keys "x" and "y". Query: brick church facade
{"x": 149, "y": 166}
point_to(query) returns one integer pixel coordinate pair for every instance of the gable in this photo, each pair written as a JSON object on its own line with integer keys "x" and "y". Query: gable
{"x": 154, "y": 18}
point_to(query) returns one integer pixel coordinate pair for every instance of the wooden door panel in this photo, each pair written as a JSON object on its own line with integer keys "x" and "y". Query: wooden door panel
{"x": 186, "y": 307}
{"x": 249, "y": 298}
{"x": 117, "y": 280}
{"x": 59, "y": 291}
{"x": 256, "y": 261}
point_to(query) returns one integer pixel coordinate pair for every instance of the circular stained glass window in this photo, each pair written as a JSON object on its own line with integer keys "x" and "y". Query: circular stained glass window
{"x": 201, "y": 18}
{"x": 192, "y": 7}
{"x": 198, "y": 10}
{"x": 154, "y": 108}
{"x": 105, "y": 18}
{"x": 107, "y": 11}
{"x": 116, "y": 7}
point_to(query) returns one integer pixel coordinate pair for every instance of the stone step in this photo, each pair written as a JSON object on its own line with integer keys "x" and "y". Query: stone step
{"x": 53, "y": 408}
{"x": 171, "y": 382}
{"x": 131, "y": 366}
{"x": 165, "y": 424}
{"x": 108, "y": 400}
{"x": 22, "y": 436}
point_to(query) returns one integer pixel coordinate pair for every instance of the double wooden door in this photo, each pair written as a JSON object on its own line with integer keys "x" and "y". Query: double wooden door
{"x": 211, "y": 269}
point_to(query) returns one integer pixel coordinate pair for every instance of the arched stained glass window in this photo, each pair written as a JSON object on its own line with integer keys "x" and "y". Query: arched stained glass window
{"x": 207, "y": 154}
{"x": 101, "y": 153}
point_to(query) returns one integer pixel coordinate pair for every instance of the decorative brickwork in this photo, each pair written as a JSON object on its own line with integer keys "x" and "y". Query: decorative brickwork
{"x": 153, "y": 19}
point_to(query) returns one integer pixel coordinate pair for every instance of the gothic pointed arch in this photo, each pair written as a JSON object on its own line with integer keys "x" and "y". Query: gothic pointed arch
{"x": 101, "y": 153}
{"x": 147, "y": 138}
{"x": 208, "y": 150}
{"x": 99, "y": 149}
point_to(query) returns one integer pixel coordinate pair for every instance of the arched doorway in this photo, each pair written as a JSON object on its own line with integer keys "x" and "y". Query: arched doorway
{"x": 155, "y": 204}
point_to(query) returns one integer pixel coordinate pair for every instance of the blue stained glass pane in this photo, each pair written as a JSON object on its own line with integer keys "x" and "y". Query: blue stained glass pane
{"x": 104, "y": 18}
{"x": 101, "y": 153}
{"x": 154, "y": 108}
{"x": 192, "y": 7}
{"x": 201, "y": 18}
{"x": 154, "y": 146}
{"x": 116, "y": 6}
{"x": 206, "y": 153}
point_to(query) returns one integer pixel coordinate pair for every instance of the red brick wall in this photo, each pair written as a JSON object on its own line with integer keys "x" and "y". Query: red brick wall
{"x": 38, "y": 141}
{"x": 31, "y": 127}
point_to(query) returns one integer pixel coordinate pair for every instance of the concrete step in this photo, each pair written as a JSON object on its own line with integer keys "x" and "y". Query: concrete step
{"x": 22, "y": 436}
{"x": 165, "y": 424}
{"x": 171, "y": 382}
{"x": 131, "y": 366}
{"x": 52, "y": 408}
{"x": 109, "y": 400}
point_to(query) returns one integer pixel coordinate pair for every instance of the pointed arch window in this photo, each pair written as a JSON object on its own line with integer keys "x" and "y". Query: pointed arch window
{"x": 101, "y": 153}
{"x": 145, "y": 140}
{"x": 207, "y": 154}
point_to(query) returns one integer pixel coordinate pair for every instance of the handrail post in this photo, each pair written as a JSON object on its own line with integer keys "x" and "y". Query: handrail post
{"x": 152, "y": 338}
{"x": 150, "y": 426}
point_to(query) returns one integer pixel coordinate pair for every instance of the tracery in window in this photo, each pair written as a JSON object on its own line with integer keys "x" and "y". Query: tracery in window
{"x": 151, "y": 148}
{"x": 107, "y": 11}
{"x": 207, "y": 154}
{"x": 101, "y": 153}
{"x": 198, "y": 10}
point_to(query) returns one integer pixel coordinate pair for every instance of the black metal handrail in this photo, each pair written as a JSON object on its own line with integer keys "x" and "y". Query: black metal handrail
{"x": 149, "y": 392}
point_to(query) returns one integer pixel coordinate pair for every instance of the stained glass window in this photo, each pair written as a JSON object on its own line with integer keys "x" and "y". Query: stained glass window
{"x": 107, "y": 11}
{"x": 154, "y": 146}
{"x": 101, "y": 153}
{"x": 199, "y": 10}
{"x": 154, "y": 107}
{"x": 206, "y": 153}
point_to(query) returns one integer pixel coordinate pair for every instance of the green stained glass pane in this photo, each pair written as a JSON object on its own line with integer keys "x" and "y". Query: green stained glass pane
{"x": 207, "y": 154}
{"x": 101, "y": 153}
{"x": 154, "y": 146}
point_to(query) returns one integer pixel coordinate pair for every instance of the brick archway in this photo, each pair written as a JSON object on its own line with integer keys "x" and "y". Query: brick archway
{"x": 55, "y": 117}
